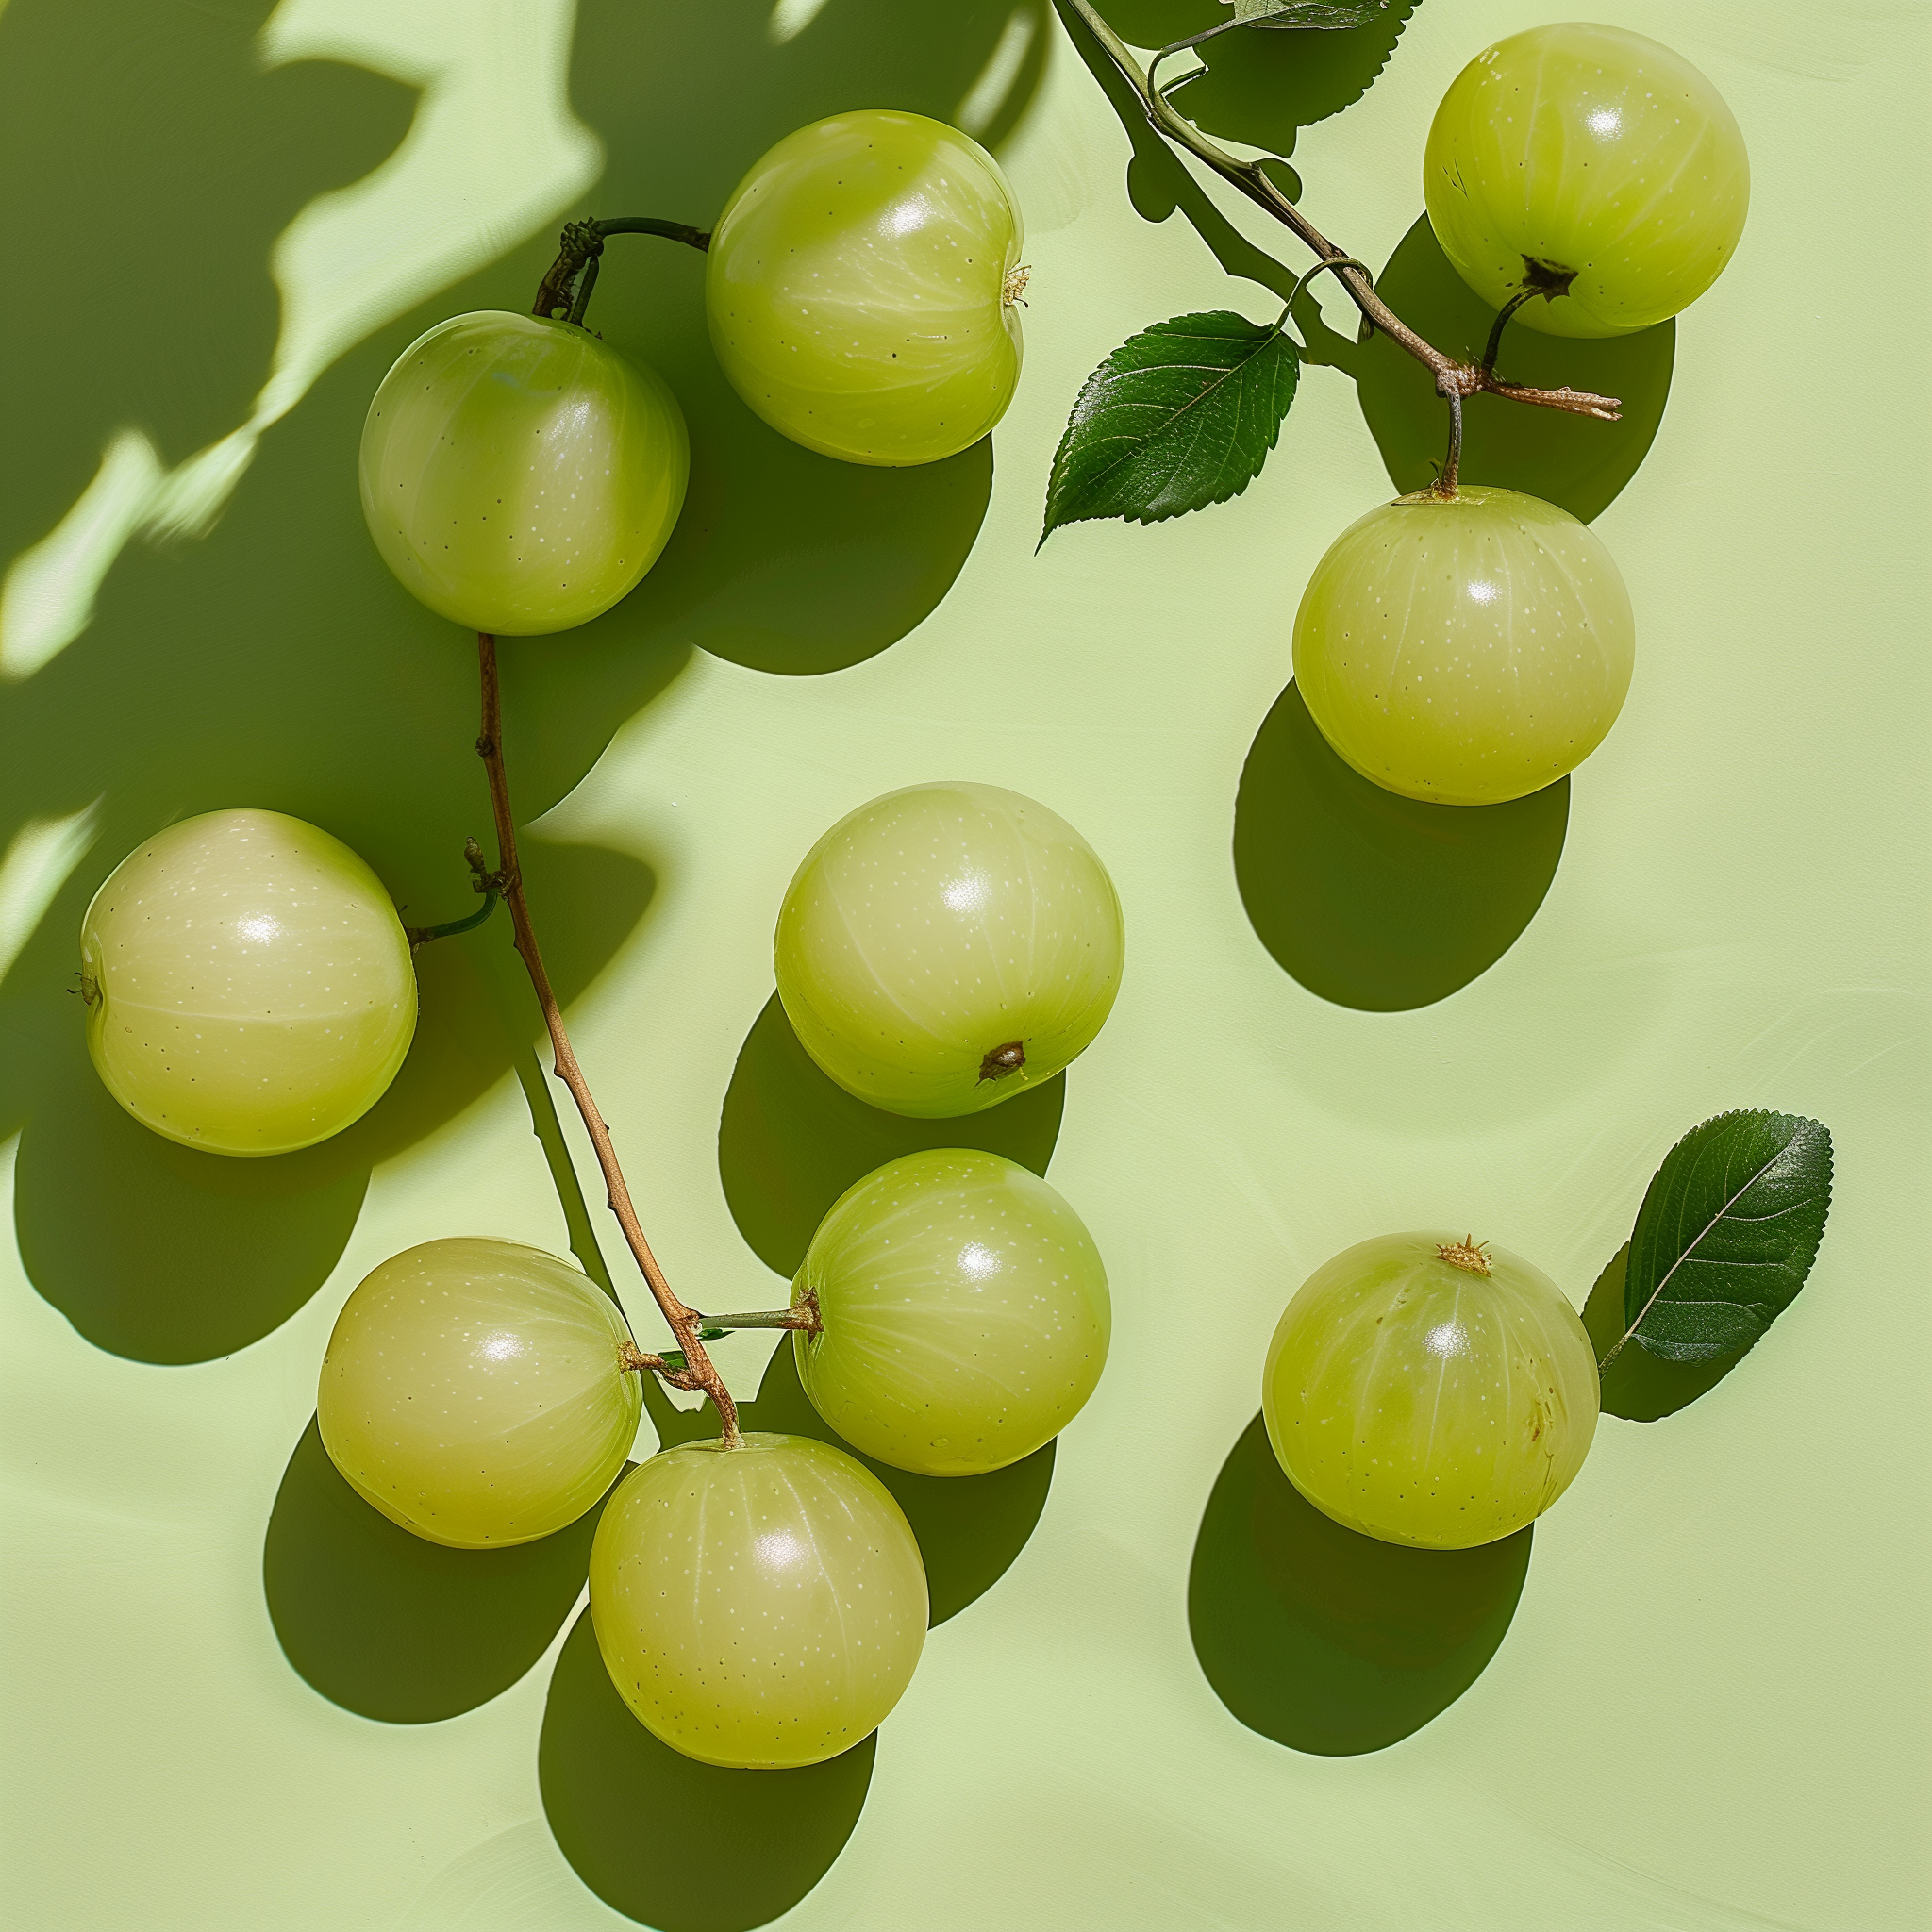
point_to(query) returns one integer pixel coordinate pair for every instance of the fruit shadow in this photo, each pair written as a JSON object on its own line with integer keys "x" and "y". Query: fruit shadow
{"x": 1374, "y": 901}
{"x": 790, "y": 1140}
{"x": 690, "y": 1847}
{"x": 671, "y": 1842}
{"x": 395, "y": 1628}
{"x": 1639, "y": 1385}
{"x": 274, "y": 662}
{"x": 1575, "y": 461}
{"x": 166, "y": 1253}
{"x": 1329, "y": 1641}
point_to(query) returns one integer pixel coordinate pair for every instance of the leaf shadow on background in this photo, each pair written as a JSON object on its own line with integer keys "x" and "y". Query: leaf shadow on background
{"x": 398, "y": 1629}
{"x": 790, "y": 1140}
{"x": 1326, "y": 1641}
{"x": 1574, "y": 461}
{"x": 1262, "y": 85}
{"x": 1639, "y": 1385}
{"x": 1374, "y": 901}
{"x": 276, "y": 663}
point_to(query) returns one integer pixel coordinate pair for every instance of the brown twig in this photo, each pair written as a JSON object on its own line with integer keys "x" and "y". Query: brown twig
{"x": 1453, "y": 378}
{"x": 698, "y": 1371}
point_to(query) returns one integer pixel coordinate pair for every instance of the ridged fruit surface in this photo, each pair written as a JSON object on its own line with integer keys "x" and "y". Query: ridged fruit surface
{"x": 947, "y": 946}
{"x": 1467, "y": 649}
{"x": 859, "y": 288}
{"x": 249, "y": 985}
{"x": 761, "y": 1606}
{"x": 965, "y": 1314}
{"x": 1424, "y": 1402}
{"x": 1591, "y": 160}
{"x": 519, "y": 475}
{"x": 473, "y": 1392}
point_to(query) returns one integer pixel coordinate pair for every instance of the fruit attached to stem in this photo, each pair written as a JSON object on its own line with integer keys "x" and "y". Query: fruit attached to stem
{"x": 761, "y": 1606}
{"x": 519, "y": 475}
{"x": 248, "y": 984}
{"x": 1465, "y": 648}
{"x": 1591, "y": 167}
{"x": 963, "y": 1313}
{"x": 475, "y": 1393}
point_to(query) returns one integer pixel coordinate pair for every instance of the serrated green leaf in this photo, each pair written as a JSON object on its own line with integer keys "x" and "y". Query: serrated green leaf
{"x": 1179, "y": 416}
{"x": 1726, "y": 1235}
{"x": 1327, "y": 15}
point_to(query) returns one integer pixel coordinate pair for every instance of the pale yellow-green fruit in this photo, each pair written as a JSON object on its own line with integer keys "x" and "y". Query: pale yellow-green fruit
{"x": 761, "y": 1606}
{"x": 860, "y": 288}
{"x": 474, "y": 1390}
{"x": 947, "y": 946}
{"x": 519, "y": 475}
{"x": 1413, "y": 1396}
{"x": 1467, "y": 649}
{"x": 965, "y": 1314}
{"x": 1591, "y": 160}
{"x": 248, "y": 983}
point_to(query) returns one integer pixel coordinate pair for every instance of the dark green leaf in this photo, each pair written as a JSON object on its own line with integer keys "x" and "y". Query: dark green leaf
{"x": 1178, "y": 417}
{"x": 1726, "y": 1234}
{"x": 1331, "y": 15}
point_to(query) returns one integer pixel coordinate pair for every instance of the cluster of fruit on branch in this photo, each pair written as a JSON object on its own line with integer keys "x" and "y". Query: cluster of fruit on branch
{"x": 760, "y": 1600}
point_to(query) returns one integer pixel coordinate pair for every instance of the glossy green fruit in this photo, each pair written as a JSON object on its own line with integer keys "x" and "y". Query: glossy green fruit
{"x": 860, "y": 287}
{"x": 518, "y": 475}
{"x": 1591, "y": 161}
{"x": 761, "y": 1606}
{"x": 248, "y": 983}
{"x": 1467, "y": 649}
{"x": 1424, "y": 1390}
{"x": 965, "y": 1309}
{"x": 474, "y": 1390}
{"x": 947, "y": 945}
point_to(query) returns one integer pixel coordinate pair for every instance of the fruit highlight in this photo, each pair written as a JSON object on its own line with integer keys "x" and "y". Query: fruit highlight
{"x": 1431, "y": 1389}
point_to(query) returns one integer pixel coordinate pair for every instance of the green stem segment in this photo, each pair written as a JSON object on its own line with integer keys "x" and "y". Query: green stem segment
{"x": 422, "y": 935}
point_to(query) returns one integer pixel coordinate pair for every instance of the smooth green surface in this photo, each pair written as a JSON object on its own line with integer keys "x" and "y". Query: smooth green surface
{"x": 473, "y": 1392}
{"x": 1709, "y": 1708}
{"x": 857, "y": 290}
{"x": 947, "y": 946}
{"x": 518, "y": 476}
{"x": 1426, "y": 1400}
{"x": 251, "y": 987}
{"x": 965, "y": 1313}
{"x": 1465, "y": 650}
{"x": 1591, "y": 161}
{"x": 759, "y": 1608}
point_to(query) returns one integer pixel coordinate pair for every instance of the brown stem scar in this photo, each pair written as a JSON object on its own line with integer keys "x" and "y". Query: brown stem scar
{"x": 1003, "y": 1060}
{"x": 1468, "y": 1254}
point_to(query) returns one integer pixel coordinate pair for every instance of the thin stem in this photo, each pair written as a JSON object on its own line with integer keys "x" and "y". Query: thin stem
{"x": 1451, "y": 463}
{"x": 1496, "y": 341}
{"x": 800, "y": 1314}
{"x": 699, "y": 239}
{"x": 1252, "y": 179}
{"x": 422, "y": 935}
{"x": 698, "y": 1371}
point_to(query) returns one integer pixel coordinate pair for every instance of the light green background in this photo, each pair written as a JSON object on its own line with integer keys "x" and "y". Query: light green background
{"x": 1710, "y": 1712}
